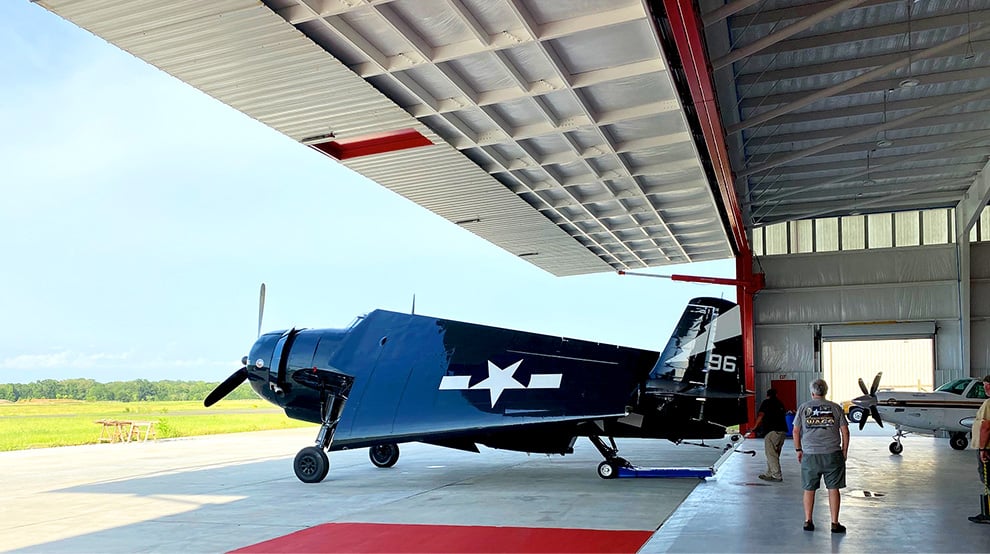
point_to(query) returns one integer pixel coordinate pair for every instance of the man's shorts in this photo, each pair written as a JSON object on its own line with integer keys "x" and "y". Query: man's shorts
{"x": 832, "y": 466}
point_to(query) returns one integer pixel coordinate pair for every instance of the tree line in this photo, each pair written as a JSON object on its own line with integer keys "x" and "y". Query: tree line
{"x": 121, "y": 391}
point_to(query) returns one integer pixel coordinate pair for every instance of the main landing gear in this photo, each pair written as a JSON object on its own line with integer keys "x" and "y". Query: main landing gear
{"x": 957, "y": 441}
{"x": 384, "y": 455}
{"x": 312, "y": 463}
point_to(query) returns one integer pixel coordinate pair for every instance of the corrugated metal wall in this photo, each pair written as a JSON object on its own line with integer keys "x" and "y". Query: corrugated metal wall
{"x": 917, "y": 284}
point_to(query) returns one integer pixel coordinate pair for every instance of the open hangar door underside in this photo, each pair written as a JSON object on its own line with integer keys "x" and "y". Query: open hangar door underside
{"x": 553, "y": 129}
{"x": 576, "y": 136}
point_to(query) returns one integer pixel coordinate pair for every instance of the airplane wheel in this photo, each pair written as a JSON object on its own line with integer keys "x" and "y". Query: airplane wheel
{"x": 384, "y": 455}
{"x": 958, "y": 441}
{"x": 896, "y": 448}
{"x": 856, "y": 415}
{"x": 606, "y": 470}
{"x": 311, "y": 464}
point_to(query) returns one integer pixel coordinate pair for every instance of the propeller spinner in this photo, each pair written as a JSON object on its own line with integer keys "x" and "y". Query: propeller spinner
{"x": 869, "y": 401}
{"x": 239, "y": 376}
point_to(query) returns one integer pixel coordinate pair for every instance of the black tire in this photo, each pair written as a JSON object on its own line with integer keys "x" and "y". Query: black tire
{"x": 958, "y": 441}
{"x": 608, "y": 470}
{"x": 384, "y": 455}
{"x": 311, "y": 464}
{"x": 896, "y": 448}
{"x": 856, "y": 415}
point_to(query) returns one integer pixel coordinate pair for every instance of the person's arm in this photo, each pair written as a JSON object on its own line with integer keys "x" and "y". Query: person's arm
{"x": 756, "y": 425}
{"x": 984, "y": 438}
{"x": 796, "y": 434}
{"x": 844, "y": 433}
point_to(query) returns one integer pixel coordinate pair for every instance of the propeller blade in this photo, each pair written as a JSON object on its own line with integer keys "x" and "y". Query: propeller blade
{"x": 414, "y": 305}
{"x": 223, "y": 389}
{"x": 261, "y": 307}
{"x": 876, "y": 384}
{"x": 876, "y": 415}
{"x": 862, "y": 387}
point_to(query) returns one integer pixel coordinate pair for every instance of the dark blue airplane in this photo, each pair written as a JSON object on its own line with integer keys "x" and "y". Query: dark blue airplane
{"x": 391, "y": 378}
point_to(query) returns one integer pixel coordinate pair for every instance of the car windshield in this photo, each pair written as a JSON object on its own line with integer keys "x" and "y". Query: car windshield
{"x": 955, "y": 387}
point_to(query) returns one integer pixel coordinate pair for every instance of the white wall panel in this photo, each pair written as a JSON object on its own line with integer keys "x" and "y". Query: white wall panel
{"x": 917, "y": 284}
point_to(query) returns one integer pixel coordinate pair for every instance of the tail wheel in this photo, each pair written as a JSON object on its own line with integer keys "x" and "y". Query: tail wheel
{"x": 608, "y": 470}
{"x": 384, "y": 455}
{"x": 311, "y": 464}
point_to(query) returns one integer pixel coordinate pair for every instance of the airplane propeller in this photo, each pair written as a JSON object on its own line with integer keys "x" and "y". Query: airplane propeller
{"x": 869, "y": 401}
{"x": 241, "y": 375}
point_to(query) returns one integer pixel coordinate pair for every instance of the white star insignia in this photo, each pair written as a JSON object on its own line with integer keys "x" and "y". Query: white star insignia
{"x": 499, "y": 380}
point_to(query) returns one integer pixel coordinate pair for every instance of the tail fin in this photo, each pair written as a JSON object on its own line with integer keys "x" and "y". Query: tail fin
{"x": 704, "y": 354}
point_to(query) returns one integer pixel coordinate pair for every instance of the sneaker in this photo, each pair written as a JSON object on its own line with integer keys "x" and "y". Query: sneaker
{"x": 838, "y": 528}
{"x": 766, "y": 477}
{"x": 809, "y": 525}
{"x": 979, "y": 519}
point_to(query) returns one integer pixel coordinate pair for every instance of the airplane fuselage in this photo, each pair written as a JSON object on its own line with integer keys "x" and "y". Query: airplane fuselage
{"x": 416, "y": 378}
{"x": 928, "y": 411}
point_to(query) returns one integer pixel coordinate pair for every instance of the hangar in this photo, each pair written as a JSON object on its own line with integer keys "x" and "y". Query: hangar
{"x": 836, "y": 149}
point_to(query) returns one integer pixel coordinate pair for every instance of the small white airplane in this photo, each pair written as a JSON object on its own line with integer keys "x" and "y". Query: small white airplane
{"x": 951, "y": 408}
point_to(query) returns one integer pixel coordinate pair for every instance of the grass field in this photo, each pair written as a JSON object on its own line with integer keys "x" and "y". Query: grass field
{"x": 45, "y": 423}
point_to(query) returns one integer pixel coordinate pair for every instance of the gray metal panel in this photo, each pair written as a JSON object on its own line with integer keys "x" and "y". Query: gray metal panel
{"x": 877, "y": 331}
{"x": 555, "y": 125}
{"x": 819, "y": 122}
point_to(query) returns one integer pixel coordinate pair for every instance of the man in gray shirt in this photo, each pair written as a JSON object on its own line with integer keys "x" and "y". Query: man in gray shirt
{"x": 821, "y": 439}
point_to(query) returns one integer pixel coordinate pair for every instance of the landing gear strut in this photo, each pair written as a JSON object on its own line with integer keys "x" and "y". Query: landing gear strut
{"x": 609, "y": 469}
{"x": 896, "y": 447}
{"x": 312, "y": 463}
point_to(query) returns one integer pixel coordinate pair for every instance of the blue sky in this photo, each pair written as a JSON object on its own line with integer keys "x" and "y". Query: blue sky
{"x": 140, "y": 216}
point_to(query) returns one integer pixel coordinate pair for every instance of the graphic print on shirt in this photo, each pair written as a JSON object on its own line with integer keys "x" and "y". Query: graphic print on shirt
{"x": 819, "y": 417}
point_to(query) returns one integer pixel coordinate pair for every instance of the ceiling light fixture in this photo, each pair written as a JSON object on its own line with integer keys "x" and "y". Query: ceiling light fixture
{"x": 909, "y": 81}
{"x": 970, "y": 53}
{"x": 868, "y": 182}
{"x": 882, "y": 141}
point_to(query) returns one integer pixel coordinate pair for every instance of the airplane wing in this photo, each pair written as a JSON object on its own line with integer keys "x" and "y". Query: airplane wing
{"x": 552, "y": 129}
{"x": 509, "y": 430}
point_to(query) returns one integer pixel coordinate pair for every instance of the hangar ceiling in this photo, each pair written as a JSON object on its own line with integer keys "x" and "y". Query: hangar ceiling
{"x": 849, "y": 107}
{"x": 573, "y": 134}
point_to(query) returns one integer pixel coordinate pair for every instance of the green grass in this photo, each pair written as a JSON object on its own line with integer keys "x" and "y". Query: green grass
{"x": 45, "y": 423}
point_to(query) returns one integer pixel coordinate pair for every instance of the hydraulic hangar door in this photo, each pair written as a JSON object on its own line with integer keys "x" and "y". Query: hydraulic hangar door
{"x": 904, "y": 352}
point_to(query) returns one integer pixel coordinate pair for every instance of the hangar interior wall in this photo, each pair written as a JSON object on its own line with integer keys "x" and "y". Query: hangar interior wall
{"x": 893, "y": 286}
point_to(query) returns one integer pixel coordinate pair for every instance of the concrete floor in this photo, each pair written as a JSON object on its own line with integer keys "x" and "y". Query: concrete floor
{"x": 915, "y": 502}
{"x": 214, "y": 494}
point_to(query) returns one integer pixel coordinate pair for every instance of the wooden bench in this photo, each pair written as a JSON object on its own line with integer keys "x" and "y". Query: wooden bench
{"x": 116, "y": 430}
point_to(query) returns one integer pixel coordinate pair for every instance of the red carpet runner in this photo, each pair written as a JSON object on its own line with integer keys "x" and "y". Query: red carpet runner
{"x": 382, "y": 537}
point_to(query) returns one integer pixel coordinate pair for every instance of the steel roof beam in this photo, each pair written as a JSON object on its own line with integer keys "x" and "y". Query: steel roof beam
{"x": 925, "y": 123}
{"x": 792, "y": 12}
{"x": 971, "y": 206}
{"x": 763, "y": 75}
{"x": 808, "y": 184}
{"x": 788, "y": 31}
{"x": 945, "y": 156}
{"x": 844, "y": 86}
{"x": 874, "y": 129}
{"x": 900, "y": 28}
{"x": 937, "y": 78}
